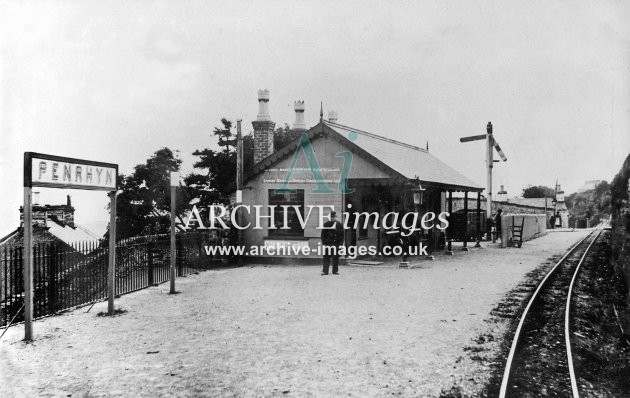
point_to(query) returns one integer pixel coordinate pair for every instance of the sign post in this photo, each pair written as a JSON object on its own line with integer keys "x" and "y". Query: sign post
{"x": 27, "y": 256}
{"x": 50, "y": 171}
{"x": 111, "y": 263}
{"x": 174, "y": 183}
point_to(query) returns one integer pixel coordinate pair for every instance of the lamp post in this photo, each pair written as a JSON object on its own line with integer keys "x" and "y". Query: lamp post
{"x": 418, "y": 198}
{"x": 418, "y": 195}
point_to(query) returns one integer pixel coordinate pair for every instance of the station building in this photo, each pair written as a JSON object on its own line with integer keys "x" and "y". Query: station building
{"x": 345, "y": 169}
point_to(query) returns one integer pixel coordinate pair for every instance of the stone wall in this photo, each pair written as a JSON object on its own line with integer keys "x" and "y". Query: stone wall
{"x": 534, "y": 226}
{"x": 509, "y": 208}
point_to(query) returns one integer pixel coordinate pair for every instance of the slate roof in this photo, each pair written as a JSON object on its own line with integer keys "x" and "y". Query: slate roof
{"x": 402, "y": 161}
{"x": 52, "y": 232}
{"x": 69, "y": 234}
{"x": 408, "y": 160}
{"x": 40, "y": 235}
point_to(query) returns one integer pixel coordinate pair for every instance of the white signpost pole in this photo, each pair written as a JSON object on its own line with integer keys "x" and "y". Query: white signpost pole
{"x": 27, "y": 258}
{"x": 239, "y": 183}
{"x": 174, "y": 183}
{"x": 111, "y": 265}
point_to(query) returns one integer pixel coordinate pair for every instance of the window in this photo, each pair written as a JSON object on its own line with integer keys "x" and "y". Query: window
{"x": 293, "y": 222}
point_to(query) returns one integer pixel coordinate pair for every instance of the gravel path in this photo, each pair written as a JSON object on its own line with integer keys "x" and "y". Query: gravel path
{"x": 282, "y": 331}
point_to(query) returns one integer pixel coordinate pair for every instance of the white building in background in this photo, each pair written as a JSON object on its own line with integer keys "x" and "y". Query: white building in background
{"x": 589, "y": 186}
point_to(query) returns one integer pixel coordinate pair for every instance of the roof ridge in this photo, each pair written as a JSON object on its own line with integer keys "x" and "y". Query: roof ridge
{"x": 379, "y": 137}
{"x": 86, "y": 230}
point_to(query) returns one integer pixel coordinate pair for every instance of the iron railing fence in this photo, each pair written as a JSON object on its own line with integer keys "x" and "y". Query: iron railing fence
{"x": 70, "y": 275}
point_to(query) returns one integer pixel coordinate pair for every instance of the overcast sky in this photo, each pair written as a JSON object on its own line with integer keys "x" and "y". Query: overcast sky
{"x": 115, "y": 81}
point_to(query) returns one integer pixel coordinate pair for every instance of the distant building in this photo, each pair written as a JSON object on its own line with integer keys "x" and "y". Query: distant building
{"x": 51, "y": 223}
{"x": 502, "y": 195}
{"x": 589, "y": 185}
{"x": 547, "y": 206}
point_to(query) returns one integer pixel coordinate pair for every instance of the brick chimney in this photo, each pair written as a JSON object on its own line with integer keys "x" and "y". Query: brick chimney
{"x": 299, "y": 124}
{"x": 263, "y": 128}
{"x": 44, "y": 214}
{"x": 559, "y": 194}
{"x": 332, "y": 116}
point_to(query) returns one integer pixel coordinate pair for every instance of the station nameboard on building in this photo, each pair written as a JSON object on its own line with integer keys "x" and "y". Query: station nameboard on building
{"x": 59, "y": 172}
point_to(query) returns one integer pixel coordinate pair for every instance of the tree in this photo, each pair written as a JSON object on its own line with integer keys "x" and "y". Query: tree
{"x": 538, "y": 191}
{"x": 594, "y": 204}
{"x": 619, "y": 190}
{"x": 143, "y": 206}
{"x": 217, "y": 181}
{"x": 284, "y": 135}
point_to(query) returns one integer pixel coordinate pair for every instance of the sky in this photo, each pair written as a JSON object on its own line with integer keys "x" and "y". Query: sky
{"x": 114, "y": 81}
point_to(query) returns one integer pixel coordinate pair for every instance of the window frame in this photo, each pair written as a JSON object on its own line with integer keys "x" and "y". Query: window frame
{"x": 288, "y": 234}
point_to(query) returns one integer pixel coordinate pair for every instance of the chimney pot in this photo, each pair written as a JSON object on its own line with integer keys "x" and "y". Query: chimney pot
{"x": 263, "y": 106}
{"x": 332, "y": 116}
{"x": 502, "y": 194}
{"x": 263, "y": 128}
{"x": 299, "y": 116}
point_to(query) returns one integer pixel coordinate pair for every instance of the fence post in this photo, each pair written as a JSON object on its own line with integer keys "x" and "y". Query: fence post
{"x": 51, "y": 285}
{"x": 19, "y": 269}
{"x": 179, "y": 254}
{"x": 4, "y": 296}
{"x": 150, "y": 262}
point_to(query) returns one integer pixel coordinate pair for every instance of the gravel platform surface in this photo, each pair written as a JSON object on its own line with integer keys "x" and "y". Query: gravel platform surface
{"x": 284, "y": 331}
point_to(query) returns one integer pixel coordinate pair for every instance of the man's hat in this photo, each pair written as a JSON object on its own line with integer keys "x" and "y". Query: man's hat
{"x": 333, "y": 214}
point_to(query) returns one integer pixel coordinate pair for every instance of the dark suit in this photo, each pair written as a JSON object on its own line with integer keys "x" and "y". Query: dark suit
{"x": 333, "y": 238}
{"x": 497, "y": 225}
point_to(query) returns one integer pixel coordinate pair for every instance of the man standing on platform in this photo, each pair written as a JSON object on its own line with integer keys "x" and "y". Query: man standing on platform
{"x": 497, "y": 224}
{"x": 332, "y": 239}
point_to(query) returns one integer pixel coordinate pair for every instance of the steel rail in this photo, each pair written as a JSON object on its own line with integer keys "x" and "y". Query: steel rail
{"x": 510, "y": 358}
{"x": 567, "y": 338}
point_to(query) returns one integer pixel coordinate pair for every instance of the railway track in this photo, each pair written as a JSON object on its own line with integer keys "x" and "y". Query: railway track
{"x": 540, "y": 361}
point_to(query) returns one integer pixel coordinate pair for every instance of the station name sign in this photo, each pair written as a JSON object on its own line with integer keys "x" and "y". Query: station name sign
{"x": 51, "y": 171}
